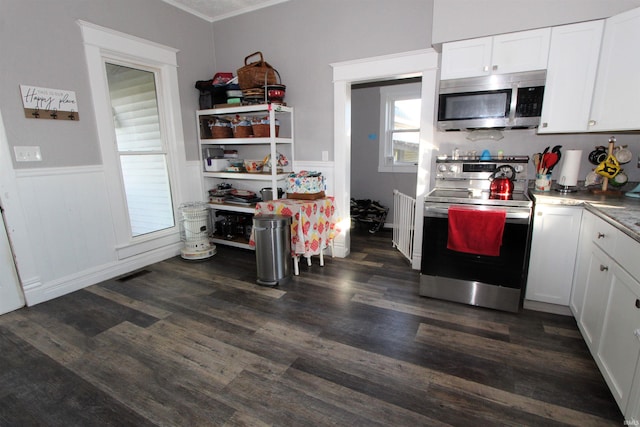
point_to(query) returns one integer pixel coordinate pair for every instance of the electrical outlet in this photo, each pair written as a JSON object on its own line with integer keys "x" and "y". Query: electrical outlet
{"x": 27, "y": 153}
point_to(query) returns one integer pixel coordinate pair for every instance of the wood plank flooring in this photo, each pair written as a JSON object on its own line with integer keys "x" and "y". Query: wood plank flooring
{"x": 349, "y": 344}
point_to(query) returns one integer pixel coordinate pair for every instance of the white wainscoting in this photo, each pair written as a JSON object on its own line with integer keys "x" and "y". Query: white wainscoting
{"x": 70, "y": 233}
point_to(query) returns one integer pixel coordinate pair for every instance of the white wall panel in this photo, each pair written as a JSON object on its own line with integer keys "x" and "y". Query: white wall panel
{"x": 69, "y": 225}
{"x": 70, "y": 233}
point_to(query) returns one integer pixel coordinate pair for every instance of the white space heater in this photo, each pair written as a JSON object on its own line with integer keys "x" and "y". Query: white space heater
{"x": 194, "y": 231}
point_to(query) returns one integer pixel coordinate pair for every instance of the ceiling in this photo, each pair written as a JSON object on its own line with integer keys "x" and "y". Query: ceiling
{"x": 216, "y": 10}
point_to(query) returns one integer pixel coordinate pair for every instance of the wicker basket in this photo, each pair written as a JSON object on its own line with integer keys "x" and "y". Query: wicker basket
{"x": 256, "y": 74}
{"x": 262, "y": 130}
{"x": 221, "y": 132}
{"x": 242, "y": 131}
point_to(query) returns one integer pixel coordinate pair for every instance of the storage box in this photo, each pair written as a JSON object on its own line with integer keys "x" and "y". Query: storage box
{"x": 215, "y": 165}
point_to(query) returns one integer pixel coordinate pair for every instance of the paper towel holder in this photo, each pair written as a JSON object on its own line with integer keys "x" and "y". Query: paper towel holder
{"x": 569, "y": 173}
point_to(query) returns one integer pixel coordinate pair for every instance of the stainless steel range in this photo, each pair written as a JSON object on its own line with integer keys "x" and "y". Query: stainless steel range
{"x": 475, "y": 242}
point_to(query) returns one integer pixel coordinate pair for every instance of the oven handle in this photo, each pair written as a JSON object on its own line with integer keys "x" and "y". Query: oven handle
{"x": 439, "y": 210}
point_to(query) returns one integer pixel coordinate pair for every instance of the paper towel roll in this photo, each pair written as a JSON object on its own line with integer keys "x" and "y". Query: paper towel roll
{"x": 570, "y": 168}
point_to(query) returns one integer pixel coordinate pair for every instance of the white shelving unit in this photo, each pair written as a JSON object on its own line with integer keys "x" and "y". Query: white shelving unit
{"x": 251, "y": 148}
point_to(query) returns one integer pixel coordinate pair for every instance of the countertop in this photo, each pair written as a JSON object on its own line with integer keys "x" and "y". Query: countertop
{"x": 619, "y": 210}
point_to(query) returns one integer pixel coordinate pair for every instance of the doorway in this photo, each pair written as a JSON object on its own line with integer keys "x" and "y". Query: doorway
{"x": 11, "y": 295}
{"x": 423, "y": 64}
{"x": 385, "y": 125}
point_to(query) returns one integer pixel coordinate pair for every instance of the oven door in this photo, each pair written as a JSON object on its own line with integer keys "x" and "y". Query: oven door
{"x": 470, "y": 274}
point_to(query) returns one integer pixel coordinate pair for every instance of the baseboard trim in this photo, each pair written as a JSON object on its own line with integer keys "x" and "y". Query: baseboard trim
{"x": 547, "y": 308}
{"x": 37, "y": 292}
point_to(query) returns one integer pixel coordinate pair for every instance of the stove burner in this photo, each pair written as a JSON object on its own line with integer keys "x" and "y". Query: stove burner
{"x": 499, "y": 196}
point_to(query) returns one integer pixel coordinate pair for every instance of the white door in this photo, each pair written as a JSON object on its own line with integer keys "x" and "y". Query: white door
{"x": 11, "y": 296}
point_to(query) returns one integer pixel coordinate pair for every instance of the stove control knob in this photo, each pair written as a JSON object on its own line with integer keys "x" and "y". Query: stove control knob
{"x": 453, "y": 168}
{"x": 442, "y": 168}
{"x": 519, "y": 168}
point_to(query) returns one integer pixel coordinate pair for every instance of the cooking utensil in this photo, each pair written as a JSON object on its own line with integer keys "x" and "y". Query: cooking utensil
{"x": 550, "y": 160}
{"x": 267, "y": 193}
{"x": 502, "y": 181}
{"x": 556, "y": 150}
{"x": 536, "y": 161}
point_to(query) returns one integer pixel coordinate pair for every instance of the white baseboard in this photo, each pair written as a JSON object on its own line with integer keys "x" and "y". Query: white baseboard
{"x": 547, "y": 308}
{"x": 36, "y": 292}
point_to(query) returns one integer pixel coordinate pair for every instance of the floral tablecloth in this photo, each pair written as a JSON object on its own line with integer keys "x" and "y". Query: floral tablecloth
{"x": 313, "y": 222}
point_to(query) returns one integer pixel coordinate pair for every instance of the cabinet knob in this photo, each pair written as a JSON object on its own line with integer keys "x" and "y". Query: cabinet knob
{"x": 604, "y": 268}
{"x": 495, "y": 68}
{"x": 544, "y": 125}
{"x": 485, "y": 68}
{"x": 592, "y": 122}
{"x": 637, "y": 302}
{"x": 637, "y": 333}
{"x": 600, "y": 235}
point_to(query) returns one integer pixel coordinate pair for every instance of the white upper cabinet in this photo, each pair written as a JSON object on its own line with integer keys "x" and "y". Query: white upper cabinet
{"x": 571, "y": 77}
{"x": 466, "y": 58}
{"x": 615, "y": 103}
{"x": 506, "y": 53}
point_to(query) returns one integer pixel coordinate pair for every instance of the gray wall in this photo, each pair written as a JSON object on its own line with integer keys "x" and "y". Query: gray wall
{"x": 301, "y": 38}
{"x": 366, "y": 181}
{"x": 41, "y": 45}
{"x": 465, "y": 19}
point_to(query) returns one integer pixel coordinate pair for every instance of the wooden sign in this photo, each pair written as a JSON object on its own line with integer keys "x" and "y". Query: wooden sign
{"x": 53, "y": 104}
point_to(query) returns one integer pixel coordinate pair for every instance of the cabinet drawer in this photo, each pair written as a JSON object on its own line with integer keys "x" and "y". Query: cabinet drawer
{"x": 627, "y": 254}
{"x": 604, "y": 235}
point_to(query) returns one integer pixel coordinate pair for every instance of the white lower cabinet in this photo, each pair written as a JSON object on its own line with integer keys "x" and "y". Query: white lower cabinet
{"x": 608, "y": 314}
{"x": 595, "y": 296}
{"x": 554, "y": 244}
{"x": 619, "y": 347}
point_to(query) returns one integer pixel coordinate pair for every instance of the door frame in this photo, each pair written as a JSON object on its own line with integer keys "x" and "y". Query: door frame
{"x": 418, "y": 63}
{"x": 13, "y": 227}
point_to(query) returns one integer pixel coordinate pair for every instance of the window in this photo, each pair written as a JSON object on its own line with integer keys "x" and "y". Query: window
{"x": 140, "y": 148}
{"x": 134, "y": 83}
{"x": 400, "y": 128}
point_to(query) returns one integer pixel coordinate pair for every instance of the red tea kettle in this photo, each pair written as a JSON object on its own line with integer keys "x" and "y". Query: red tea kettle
{"x": 502, "y": 182}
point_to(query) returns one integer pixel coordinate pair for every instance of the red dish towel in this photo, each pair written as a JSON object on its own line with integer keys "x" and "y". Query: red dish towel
{"x": 476, "y": 231}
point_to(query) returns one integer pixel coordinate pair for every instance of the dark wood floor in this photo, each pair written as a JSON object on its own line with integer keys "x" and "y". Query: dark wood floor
{"x": 350, "y": 344}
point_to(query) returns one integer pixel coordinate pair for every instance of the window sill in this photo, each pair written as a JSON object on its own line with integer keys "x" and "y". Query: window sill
{"x": 398, "y": 168}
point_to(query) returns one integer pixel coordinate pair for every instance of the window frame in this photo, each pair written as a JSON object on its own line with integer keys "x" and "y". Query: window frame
{"x": 104, "y": 45}
{"x": 388, "y": 95}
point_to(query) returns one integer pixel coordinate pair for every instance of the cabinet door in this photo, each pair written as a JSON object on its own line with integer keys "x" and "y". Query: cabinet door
{"x": 632, "y": 413}
{"x": 619, "y": 346}
{"x": 571, "y": 76}
{"x": 466, "y": 58}
{"x": 615, "y": 102}
{"x": 581, "y": 270}
{"x": 595, "y": 298}
{"x": 522, "y": 51}
{"x": 553, "y": 252}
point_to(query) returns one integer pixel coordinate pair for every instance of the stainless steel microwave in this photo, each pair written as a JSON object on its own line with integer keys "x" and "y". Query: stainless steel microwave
{"x": 507, "y": 101}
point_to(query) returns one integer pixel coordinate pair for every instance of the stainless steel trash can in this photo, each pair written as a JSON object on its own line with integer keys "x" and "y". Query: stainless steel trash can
{"x": 272, "y": 234}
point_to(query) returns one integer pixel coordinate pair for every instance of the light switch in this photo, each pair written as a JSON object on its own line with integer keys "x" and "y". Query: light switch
{"x": 27, "y": 153}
